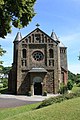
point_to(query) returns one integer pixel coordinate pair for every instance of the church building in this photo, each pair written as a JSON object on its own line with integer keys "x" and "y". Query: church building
{"x": 39, "y": 64}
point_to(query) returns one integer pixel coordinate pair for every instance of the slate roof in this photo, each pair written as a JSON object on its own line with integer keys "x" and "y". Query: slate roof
{"x": 18, "y": 37}
{"x": 54, "y": 36}
{"x": 61, "y": 44}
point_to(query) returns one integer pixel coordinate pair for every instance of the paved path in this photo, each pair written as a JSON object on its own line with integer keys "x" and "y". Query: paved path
{"x": 12, "y": 102}
{"x": 7, "y": 101}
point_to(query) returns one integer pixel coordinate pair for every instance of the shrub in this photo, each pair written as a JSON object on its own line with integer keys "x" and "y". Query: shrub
{"x": 78, "y": 81}
{"x": 70, "y": 85}
{"x": 45, "y": 93}
{"x": 78, "y": 85}
{"x": 29, "y": 93}
{"x": 1, "y": 85}
{"x": 58, "y": 99}
{"x": 63, "y": 89}
{"x": 5, "y": 82}
{"x": 50, "y": 101}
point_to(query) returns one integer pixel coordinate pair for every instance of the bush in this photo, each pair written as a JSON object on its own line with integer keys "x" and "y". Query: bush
{"x": 1, "y": 85}
{"x": 70, "y": 85}
{"x": 29, "y": 93}
{"x": 50, "y": 101}
{"x": 58, "y": 99}
{"x": 78, "y": 81}
{"x": 5, "y": 82}
{"x": 63, "y": 89}
{"x": 45, "y": 93}
{"x": 78, "y": 85}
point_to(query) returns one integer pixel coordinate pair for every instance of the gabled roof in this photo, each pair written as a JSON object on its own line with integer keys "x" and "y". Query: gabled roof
{"x": 42, "y": 32}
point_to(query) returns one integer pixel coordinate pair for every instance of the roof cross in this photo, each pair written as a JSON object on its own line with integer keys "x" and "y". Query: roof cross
{"x": 37, "y": 25}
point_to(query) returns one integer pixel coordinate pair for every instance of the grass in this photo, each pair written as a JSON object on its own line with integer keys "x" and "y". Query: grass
{"x": 75, "y": 88}
{"x": 66, "y": 110}
{"x": 10, "y": 112}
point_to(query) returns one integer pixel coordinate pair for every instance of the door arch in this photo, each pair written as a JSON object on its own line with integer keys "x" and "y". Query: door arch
{"x": 37, "y": 88}
{"x": 37, "y": 85}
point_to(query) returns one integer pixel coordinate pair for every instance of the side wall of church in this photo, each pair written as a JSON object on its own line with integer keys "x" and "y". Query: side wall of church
{"x": 63, "y": 59}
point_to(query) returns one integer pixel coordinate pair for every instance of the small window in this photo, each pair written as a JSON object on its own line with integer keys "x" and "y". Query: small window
{"x": 45, "y": 39}
{"x": 49, "y": 62}
{"x": 37, "y": 36}
{"x": 32, "y": 38}
{"x": 29, "y": 39}
{"x": 42, "y": 38}
{"x": 51, "y": 54}
{"x": 23, "y": 62}
{"x": 24, "y": 53}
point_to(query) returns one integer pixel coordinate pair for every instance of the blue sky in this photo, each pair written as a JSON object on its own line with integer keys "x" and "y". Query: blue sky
{"x": 62, "y": 16}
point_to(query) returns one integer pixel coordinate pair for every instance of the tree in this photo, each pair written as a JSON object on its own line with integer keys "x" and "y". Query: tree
{"x": 71, "y": 76}
{"x": 70, "y": 85}
{"x": 1, "y": 53}
{"x": 15, "y": 12}
{"x": 77, "y": 78}
{"x": 5, "y": 71}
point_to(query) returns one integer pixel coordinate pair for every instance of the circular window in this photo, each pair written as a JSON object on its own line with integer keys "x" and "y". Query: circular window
{"x": 37, "y": 55}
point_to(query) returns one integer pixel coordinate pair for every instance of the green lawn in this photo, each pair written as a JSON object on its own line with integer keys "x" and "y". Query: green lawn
{"x": 66, "y": 110}
{"x": 75, "y": 88}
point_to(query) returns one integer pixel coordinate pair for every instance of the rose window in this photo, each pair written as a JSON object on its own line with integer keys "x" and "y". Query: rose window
{"x": 37, "y": 55}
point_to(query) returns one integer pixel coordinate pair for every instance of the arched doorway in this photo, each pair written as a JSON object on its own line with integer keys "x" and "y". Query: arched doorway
{"x": 37, "y": 85}
{"x": 37, "y": 88}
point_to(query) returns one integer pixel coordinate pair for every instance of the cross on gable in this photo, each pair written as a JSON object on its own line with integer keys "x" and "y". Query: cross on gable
{"x": 37, "y": 25}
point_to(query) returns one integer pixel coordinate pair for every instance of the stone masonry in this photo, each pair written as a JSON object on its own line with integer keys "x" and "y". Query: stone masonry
{"x": 39, "y": 64}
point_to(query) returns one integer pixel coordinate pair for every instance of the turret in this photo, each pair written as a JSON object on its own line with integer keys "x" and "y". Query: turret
{"x": 16, "y": 40}
{"x": 54, "y": 37}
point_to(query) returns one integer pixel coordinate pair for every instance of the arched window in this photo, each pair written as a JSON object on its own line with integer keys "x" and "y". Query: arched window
{"x": 51, "y": 54}
{"x": 24, "y": 53}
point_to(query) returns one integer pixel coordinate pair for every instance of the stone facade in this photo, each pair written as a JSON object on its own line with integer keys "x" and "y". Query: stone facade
{"x": 39, "y": 64}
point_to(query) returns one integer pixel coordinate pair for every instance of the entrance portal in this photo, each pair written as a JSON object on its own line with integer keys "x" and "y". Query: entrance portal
{"x": 37, "y": 88}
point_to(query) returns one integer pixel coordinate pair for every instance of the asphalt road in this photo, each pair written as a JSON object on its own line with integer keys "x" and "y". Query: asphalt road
{"x": 12, "y": 102}
{"x": 8, "y": 101}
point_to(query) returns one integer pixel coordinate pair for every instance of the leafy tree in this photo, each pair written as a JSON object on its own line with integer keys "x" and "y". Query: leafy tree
{"x": 15, "y": 12}
{"x": 71, "y": 76}
{"x": 1, "y": 53}
{"x": 70, "y": 85}
{"x": 4, "y": 80}
{"x": 77, "y": 78}
{"x": 5, "y": 70}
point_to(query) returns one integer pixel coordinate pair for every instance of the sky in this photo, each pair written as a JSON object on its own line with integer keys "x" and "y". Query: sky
{"x": 62, "y": 16}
